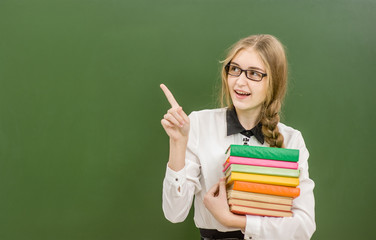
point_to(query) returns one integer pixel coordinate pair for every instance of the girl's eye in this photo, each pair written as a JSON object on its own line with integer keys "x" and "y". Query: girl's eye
{"x": 234, "y": 69}
{"x": 255, "y": 74}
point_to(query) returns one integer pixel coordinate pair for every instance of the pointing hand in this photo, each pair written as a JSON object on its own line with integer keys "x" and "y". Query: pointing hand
{"x": 175, "y": 122}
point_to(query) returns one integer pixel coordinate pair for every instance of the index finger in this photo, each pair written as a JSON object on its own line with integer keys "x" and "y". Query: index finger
{"x": 169, "y": 96}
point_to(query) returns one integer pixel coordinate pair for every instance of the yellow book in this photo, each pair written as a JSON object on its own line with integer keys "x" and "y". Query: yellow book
{"x": 258, "y": 178}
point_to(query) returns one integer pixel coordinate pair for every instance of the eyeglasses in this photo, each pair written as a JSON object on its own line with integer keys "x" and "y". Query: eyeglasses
{"x": 236, "y": 71}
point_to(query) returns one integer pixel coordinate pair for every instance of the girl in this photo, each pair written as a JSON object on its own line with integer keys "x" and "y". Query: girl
{"x": 254, "y": 79}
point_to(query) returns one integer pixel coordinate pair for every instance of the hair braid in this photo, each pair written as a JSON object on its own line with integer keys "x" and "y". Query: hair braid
{"x": 269, "y": 120}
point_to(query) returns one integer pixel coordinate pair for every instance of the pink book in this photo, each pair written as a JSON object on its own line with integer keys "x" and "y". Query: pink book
{"x": 259, "y": 162}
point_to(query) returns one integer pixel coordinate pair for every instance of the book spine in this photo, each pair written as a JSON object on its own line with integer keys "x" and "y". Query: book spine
{"x": 260, "y": 212}
{"x": 259, "y": 197}
{"x": 259, "y": 162}
{"x": 280, "y": 154}
{"x": 266, "y": 189}
{"x": 250, "y": 203}
{"x": 264, "y": 170}
{"x": 275, "y": 180}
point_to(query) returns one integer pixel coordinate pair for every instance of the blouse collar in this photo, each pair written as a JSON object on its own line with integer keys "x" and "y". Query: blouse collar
{"x": 234, "y": 126}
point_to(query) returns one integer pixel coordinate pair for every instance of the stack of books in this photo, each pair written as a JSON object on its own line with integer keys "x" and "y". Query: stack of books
{"x": 261, "y": 180}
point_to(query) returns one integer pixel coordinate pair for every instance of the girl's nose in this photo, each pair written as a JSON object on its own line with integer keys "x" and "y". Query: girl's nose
{"x": 242, "y": 79}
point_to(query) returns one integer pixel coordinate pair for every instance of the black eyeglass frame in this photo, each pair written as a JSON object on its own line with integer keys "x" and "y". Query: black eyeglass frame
{"x": 227, "y": 68}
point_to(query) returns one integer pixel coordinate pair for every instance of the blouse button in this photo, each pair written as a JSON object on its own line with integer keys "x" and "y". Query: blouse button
{"x": 176, "y": 179}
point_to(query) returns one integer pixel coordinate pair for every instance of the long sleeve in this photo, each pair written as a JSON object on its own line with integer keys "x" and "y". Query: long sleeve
{"x": 180, "y": 187}
{"x": 302, "y": 224}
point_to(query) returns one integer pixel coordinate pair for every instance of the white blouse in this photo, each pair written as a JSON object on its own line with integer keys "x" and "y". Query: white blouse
{"x": 205, "y": 155}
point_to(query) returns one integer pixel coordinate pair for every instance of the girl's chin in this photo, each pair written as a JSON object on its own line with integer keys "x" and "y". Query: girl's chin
{"x": 247, "y": 107}
{"x": 241, "y": 104}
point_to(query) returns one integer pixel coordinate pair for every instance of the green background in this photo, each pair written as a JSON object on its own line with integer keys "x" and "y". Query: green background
{"x": 82, "y": 151}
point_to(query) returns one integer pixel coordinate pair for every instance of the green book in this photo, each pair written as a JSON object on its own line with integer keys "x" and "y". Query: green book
{"x": 281, "y": 154}
{"x": 283, "y": 172}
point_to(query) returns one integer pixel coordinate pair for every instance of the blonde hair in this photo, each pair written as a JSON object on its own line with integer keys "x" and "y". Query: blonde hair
{"x": 272, "y": 54}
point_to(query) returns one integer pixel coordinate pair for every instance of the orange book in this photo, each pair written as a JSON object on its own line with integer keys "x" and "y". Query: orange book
{"x": 264, "y": 188}
{"x": 259, "y": 178}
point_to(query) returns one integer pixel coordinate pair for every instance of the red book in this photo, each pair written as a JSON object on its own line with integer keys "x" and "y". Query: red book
{"x": 259, "y": 162}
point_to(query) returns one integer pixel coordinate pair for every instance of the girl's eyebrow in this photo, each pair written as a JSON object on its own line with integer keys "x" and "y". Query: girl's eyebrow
{"x": 256, "y": 68}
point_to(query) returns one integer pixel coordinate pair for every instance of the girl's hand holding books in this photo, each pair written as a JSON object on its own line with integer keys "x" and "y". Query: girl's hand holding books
{"x": 215, "y": 201}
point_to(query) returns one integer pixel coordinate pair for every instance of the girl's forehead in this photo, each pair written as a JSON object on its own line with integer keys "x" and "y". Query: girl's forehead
{"x": 248, "y": 58}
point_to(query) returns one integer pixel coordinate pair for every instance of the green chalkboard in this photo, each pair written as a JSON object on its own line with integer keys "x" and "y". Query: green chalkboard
{"x": 80, "y": 102}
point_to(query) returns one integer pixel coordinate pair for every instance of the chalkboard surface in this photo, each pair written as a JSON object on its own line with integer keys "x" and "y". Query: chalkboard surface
{"x": 82, "y": 151}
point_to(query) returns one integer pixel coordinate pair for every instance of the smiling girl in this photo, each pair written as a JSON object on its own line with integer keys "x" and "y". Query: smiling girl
{"x": 254, "y": 80}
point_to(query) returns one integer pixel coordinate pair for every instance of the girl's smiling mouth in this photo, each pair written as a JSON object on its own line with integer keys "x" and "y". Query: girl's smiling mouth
{"x": 242, "y": 93}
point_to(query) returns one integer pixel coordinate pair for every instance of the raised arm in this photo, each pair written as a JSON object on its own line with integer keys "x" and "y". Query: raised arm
{"x": 176, "y": 124}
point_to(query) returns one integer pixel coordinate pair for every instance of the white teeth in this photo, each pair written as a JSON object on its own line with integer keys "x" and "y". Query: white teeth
{"x": 242, "y": 93}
